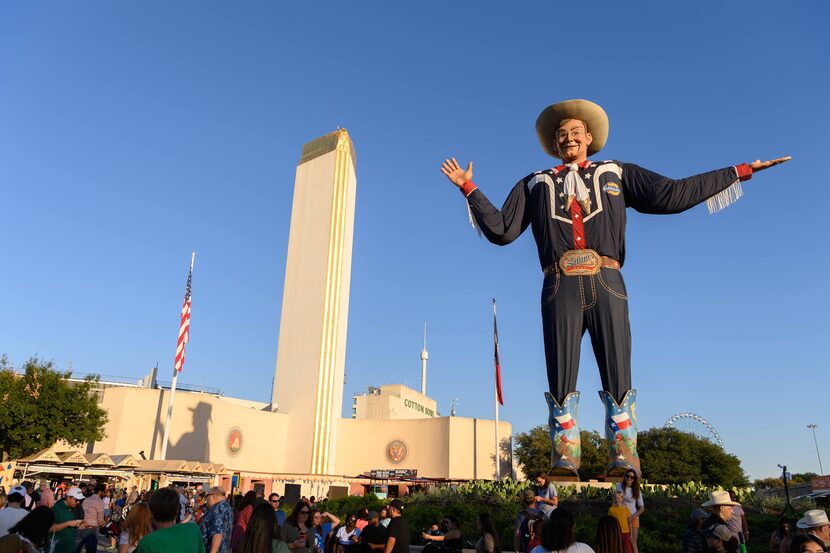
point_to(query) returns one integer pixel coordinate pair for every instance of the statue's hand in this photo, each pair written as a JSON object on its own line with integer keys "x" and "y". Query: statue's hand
{"x": 455, "y": 173}
{"x": 759, "y": 165}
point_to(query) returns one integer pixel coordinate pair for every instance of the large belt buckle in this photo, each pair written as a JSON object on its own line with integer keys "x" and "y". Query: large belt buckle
{"x": 580, "y": 262}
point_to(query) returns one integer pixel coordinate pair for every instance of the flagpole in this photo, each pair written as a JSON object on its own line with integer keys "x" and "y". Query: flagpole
{"x": 496, "y": 402}
{"x": 172, "y": 391}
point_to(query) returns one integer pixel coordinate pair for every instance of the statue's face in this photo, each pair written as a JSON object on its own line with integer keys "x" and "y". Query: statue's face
{"x": 572, "y": 140}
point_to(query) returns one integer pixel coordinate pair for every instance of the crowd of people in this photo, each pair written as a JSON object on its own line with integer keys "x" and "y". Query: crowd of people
{"x": 542, "y": 527}
{"x": 75, "y": 518}
{"x": 718, "y": 525}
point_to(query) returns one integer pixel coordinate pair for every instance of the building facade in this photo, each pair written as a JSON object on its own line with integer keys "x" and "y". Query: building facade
{"x": 300, "y": 436}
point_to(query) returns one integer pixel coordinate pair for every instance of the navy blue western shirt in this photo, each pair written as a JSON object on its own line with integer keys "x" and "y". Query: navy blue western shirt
{"x": 539, "y": 200}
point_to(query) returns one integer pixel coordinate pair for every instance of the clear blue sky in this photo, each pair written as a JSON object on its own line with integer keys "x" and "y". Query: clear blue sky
{"x": 133, "y": 132}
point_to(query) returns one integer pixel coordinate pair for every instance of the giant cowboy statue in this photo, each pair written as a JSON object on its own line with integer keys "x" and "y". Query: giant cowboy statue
{"x": 577, "y": 212}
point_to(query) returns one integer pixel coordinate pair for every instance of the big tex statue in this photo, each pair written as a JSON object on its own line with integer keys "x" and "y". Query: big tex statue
{"x": 577, "y": 212}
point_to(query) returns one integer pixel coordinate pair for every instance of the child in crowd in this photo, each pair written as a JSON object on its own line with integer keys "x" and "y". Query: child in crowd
{"x": 535, "y": 534}
{"x": 620, "y": 512}
{"x": 434, "y": 530}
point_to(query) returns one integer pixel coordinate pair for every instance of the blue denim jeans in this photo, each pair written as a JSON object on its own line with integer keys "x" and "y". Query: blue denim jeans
{"x": 599, "y": 304}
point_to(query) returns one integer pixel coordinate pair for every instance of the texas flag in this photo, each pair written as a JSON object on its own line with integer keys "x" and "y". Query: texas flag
{"x": 565, "y": 422}
{"x": 619, "y": 422}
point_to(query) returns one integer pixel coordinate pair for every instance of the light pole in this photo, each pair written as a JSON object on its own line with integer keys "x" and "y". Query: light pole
{"x": 813, "y": 428}
{"x": 786, "y": 486}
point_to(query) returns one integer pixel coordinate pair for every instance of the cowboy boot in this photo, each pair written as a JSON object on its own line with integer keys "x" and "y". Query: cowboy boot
{"x": 621, "y": 433}
{"x": 566, "y": 445}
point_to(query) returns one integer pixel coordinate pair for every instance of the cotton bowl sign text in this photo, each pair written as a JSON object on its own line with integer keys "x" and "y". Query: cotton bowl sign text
{"x": 418, "y": 407}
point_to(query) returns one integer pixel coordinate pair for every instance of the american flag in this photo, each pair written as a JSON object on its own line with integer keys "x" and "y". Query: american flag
{"x": 184, "y": 327}
{"x": 496, "y": 355}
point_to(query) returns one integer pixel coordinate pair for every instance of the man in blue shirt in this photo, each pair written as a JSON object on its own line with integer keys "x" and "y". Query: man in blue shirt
{"x": 274, "y": 500}
{"x": 217, "y": 525}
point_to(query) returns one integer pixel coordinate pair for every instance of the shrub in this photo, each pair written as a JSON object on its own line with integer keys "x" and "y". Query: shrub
{"x": 667, "y": 510}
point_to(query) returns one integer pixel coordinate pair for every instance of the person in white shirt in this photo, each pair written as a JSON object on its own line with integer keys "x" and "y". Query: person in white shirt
{"x": 633, "y": 499}
{"x": 13, "y": 512}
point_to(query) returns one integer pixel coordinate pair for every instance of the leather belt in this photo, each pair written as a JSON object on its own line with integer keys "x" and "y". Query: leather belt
{"x": 606, "y": 262}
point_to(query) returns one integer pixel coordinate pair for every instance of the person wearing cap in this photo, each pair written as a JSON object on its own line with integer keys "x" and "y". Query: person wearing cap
{"x": 524, "y": 520}
{"x": 398, "y": 540}
{"x": 577, "y": 211}
{"x": 718, "y": 534}
{"x": 815, "y": 523}
{"x": 67, "y": 522}
{"x": 12, "y": 513}
{"x": 374, "y": 535}
{"x": 694, "y": 540}
{"x": 21, "y": 491}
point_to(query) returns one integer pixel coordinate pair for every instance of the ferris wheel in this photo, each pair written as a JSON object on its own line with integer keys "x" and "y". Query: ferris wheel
{"x": 696, "y": 425}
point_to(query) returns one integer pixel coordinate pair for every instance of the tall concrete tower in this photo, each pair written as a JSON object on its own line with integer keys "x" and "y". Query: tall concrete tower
{"x": 308, "y": 382}
{"x": 424, "y": 358}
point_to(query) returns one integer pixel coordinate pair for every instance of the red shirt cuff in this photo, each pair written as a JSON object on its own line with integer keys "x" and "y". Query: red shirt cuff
{"x": 744, "y": 171}
{"x": 467, "y": 188}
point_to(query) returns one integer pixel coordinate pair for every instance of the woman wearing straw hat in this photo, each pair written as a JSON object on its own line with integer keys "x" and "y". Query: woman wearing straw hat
{"x": 716, "y": 528}
{"x": 577, "y": 212}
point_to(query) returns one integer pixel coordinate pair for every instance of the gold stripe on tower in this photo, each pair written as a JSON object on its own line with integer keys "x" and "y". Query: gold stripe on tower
{"x": 331, "y": 319}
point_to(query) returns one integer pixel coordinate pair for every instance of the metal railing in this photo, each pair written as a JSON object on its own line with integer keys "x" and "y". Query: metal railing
{"x": 137, "y": 382}
{"x": 165, "y": 384}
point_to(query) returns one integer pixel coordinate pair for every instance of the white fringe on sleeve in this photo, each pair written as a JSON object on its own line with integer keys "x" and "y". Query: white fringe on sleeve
{"x": 471, "y": 218}
{"x": 725, "y": 198}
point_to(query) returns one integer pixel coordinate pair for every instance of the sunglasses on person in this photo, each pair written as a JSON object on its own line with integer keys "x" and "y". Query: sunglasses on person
{"x": 629, "y": 476}
{"x": 304, "y": 512}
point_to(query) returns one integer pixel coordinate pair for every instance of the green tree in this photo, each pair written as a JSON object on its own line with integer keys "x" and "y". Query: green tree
{"x": 594, "y": 455}
{"x": 41, "y": 407}
{"x": 771, "y": 482}
{"x": 778, "y": 482}
{"x": 801, "y": 477}
{"x": 533, "y": 452}
{"x": 669, "y": 456}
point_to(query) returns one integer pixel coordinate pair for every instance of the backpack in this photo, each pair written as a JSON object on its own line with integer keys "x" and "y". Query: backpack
{"x": 526, "y": 526}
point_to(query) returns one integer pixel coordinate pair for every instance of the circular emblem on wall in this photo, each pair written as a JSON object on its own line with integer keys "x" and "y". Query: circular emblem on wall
{"x": 233, "y": 443}
{"x": 396, "y": 452}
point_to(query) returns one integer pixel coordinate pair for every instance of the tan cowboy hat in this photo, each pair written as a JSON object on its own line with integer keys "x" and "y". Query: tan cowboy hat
{"x": 813, "y": 518}
{"x": 584, "y": 110}
{"x": 718, "y": 498}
